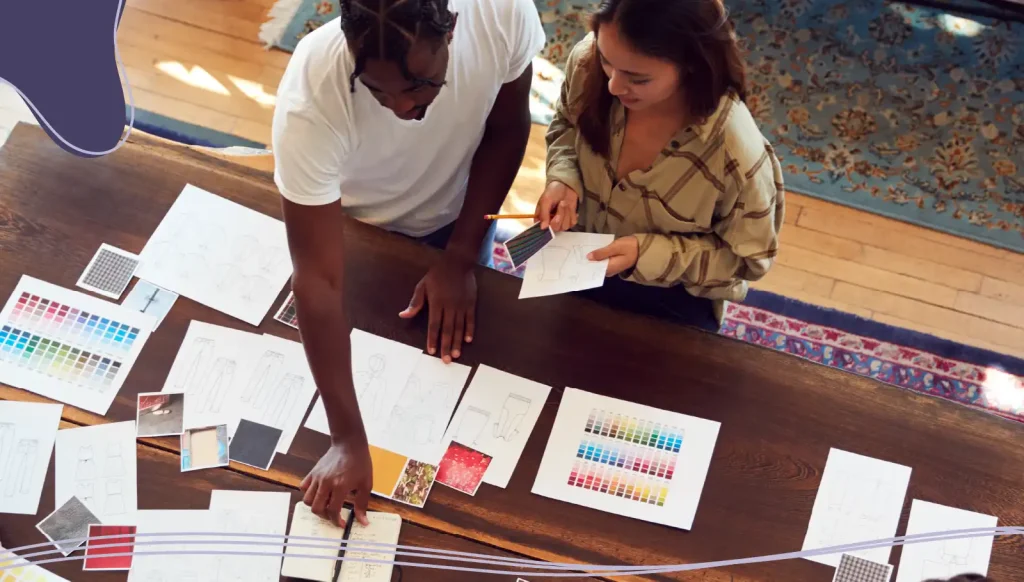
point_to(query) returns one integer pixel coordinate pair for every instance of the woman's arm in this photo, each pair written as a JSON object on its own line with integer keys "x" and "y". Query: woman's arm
{"x": 562, "y": 159}
{"x": 741, "y": 248}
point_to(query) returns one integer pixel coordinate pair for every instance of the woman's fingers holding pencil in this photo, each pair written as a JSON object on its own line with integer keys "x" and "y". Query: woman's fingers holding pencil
{"x": 557, "y": 207}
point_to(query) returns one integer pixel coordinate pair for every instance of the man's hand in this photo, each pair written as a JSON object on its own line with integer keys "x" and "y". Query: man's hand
{"x": 557, "y": 207}
{"x": 344, "y": 472}
{"x": 450, "y": 289}
{"x": 621, "y": 254}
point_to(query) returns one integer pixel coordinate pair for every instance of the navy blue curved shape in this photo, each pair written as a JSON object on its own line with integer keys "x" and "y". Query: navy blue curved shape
{"x": 61, "y": 56}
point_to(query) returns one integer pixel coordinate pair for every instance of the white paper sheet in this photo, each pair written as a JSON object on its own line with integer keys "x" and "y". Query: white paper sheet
{"x": 178, "y": 567}
{"x": 949, "y": 558}
{"x": 859, "y": 499}
{"x": 306, "y": 524}
{"x": 220, "y": 254}
{"x": 562, "y": 266}
{"x": 384, "y": 528}
{"x": 253, "y": 512}
{"x": 380, "y": 371}
{"x": 97, "y": 464}
{"x": 496, "y": 417}
{"x": 417, "y": 423}
{"x": 27, "y": 432}
{"x": 664, "y": 458}
{"x": 227, "y": 375}
{"x": 26, "y": 570}
{"x": 68, "y": 346}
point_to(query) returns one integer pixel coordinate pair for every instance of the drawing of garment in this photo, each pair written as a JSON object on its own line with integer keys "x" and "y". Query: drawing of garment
{"x": 7, "y": 436}
{"x": 282, "y": 399}
{"x": 372, "y": 388}
{"x": 114, "y": 466}
{"x": 512, "y": 413}
{"x": 23, "y": 461}
{"x": 86, "y": 491}
{"x": 217, "y": 384}
{"x": 262, "y": 376}
{"x": 202, "y": 349}
{"x": 553, "y": 260}
{"x": 115, "y": 498}
{"x": 86, "y": 468}
{"x": 472, "y": 425}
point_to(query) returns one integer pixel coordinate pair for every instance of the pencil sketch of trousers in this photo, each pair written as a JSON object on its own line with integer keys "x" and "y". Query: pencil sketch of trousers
{"x": 512, "y": 413}
{"x": 262, "y": 376}
{"x": 202, "y": 349}
{"x": 7, "y": 437}
{"x": 217, "y": 383}
{"x": 471, "y": 425}
{"x": 20, "y": 468}
{"x": 282, "y": 399}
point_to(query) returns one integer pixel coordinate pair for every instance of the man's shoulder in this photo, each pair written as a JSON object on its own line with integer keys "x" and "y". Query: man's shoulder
{"x": 324, "y": 48}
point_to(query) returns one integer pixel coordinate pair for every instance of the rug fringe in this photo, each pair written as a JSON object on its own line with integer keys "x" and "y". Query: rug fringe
{"x": 281, "y": 15}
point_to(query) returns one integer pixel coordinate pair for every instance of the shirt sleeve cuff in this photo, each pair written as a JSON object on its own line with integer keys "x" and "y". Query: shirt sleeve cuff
{"x": 568, "y": 174}
{"x": 305, "y": 199}
{"x": 652, "y": 262}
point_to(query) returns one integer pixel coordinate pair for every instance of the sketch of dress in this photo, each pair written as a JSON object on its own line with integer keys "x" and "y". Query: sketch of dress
{"x": 282, "y": 399}
{"x": 371, "y": 387}
{"x": 262, "y": 377}
{"x": 86, "y": 492}
{"x": 23, "y": 461}
{"x": 7, "y": 438}
{"x": 114, "y": 465}
{"x": 217, "y": 384}
{"x": 86, "y": 467}
{"x": 471, "y": 425}
{"x": 114, "y": 504}
{"x": 202, "y": 349}
{"x": 511, "y": 416}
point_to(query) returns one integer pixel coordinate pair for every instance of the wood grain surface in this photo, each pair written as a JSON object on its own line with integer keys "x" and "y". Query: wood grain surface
{"x": 162, "y": 485}
{"x": 779, "y": 414}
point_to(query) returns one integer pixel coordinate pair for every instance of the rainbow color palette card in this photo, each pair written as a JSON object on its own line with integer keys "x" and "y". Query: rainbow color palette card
{"x": 68, "y": 346}
{"x": 626, "y": 458}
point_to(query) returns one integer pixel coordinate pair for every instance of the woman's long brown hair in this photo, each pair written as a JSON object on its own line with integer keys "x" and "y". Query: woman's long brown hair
{"x": 696, "y": 35}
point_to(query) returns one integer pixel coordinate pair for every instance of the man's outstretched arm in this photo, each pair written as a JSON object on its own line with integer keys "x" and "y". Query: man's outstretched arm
{"x": 450, "y": 286}
{"x": 315, "y": 239}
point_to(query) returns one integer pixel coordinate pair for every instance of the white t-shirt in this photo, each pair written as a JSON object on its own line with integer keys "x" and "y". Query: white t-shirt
{"x": 408, "y": 176}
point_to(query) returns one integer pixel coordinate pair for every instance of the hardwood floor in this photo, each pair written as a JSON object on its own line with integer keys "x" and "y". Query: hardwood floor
{"x": 200, "y": 61}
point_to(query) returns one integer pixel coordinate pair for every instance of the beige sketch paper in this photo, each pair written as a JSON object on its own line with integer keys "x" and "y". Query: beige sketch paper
{"x": 383, "y": 530}
{"x": 97, "y": 464}
{"x": 944, "y": 559}
{"x": 253, "y": 512}
{"x": 307, "y": 525}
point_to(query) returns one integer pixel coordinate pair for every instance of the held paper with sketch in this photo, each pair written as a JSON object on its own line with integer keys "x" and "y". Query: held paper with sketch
{"x": 227, "y": 375}
{"x": 68, "y": 346}
{"x": 380, "y": 371}
{"x": 563, "y": 267}
{"x": 252, "y": 512}
{"x": 859, "y": 499}
{"x": 219, "y": 253}
{"x": 944, "y": 559}
{"x": 627, "y": 458}
{"x": 496, "y": 417}
{"x": 97, "y": 465}
{"x": 27, "y": 432}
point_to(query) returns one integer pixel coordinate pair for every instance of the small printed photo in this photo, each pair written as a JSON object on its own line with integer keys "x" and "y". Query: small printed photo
{"x": 68, "y": 526}
{"x": 462, "y": 468}
{"x": 160, "y": 414}
{"x": 415, "y": 483}
{"x": 254, "y": 444}
{"x": 148, "y": 299}
{"x": 204, "y": 448}
{"x": 101, "y": 554}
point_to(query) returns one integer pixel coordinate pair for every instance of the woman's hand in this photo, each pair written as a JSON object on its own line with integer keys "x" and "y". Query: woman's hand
{"x": 621, "y": 254}
{"x": 557, "y": 207}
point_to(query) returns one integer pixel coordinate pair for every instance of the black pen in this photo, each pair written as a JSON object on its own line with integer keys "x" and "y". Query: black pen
{"x": 344, "y": 542}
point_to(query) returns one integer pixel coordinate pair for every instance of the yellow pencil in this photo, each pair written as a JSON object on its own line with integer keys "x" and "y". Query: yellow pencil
{"x": 503, "y": 216}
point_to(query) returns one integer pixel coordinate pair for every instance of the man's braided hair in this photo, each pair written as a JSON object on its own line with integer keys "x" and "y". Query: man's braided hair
{"x": 386, "y": 29}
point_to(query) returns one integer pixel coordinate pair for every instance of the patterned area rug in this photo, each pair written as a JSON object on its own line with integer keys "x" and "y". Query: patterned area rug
{"x": 988, "y": 385}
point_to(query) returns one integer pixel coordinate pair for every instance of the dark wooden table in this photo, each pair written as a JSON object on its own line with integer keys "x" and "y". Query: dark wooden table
{"x": 779, "y": 414}
{"x": 162, "y": 485}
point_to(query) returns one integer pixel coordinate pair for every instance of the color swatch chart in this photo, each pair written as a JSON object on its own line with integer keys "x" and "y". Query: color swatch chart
{"x": 69, "y": 339}
{"x": 626, "y": 457}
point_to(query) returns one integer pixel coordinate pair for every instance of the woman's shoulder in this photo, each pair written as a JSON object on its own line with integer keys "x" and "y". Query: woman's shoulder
{"x": 743, "y": 138}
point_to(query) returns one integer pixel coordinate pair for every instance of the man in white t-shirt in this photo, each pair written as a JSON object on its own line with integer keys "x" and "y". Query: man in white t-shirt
{"x": 412, "y": 115}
